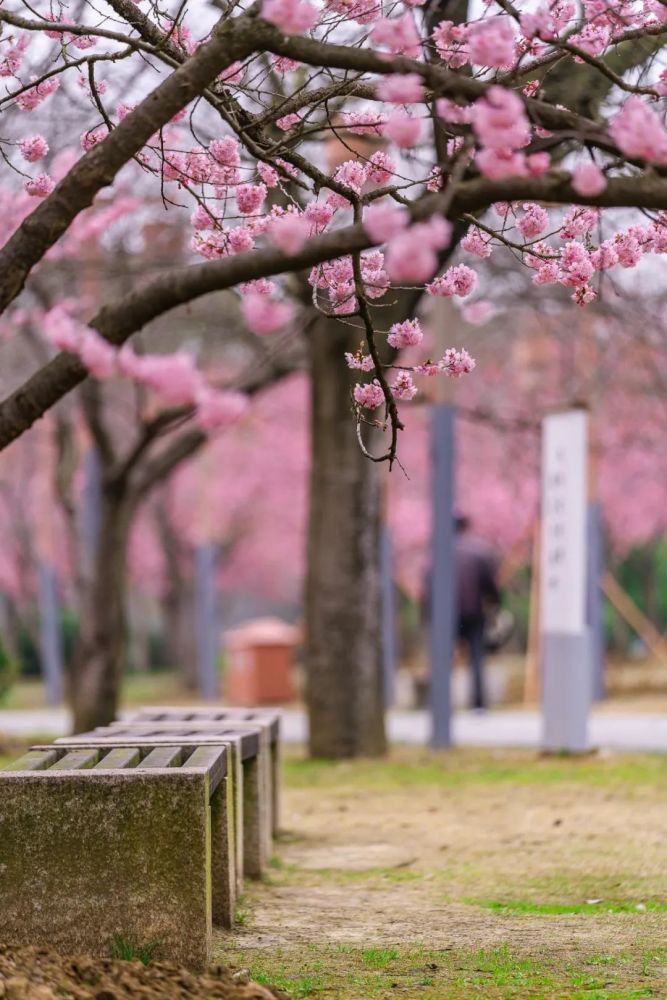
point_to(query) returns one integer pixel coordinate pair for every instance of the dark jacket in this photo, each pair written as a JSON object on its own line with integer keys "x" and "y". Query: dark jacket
{"x": 476, "y": 576}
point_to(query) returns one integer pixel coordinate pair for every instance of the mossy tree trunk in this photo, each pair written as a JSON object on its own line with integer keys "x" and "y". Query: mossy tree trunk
{"x": 342, "y": 649}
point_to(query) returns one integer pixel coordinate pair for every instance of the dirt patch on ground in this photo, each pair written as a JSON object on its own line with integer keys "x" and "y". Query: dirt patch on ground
{"x": 426, "y": 853}
{"x": 36, "y": 974}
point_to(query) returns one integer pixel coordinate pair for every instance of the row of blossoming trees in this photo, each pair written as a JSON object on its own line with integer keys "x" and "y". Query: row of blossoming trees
{"x": 520, "y": 128}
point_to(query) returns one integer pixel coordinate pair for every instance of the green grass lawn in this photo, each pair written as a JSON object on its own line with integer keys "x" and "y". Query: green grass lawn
{"x": 505, "y": 876}
{"x": 157, "y": 687}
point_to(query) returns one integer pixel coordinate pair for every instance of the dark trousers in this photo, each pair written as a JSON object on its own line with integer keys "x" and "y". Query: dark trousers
{"x": 471, "y": 632}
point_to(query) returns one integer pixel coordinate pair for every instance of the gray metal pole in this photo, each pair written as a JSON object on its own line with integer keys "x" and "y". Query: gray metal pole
{"x": 49, "y": 634}
{"x": 595, "y": 532}
{"x": 388, "y": 598}
{"x": 206, "y": 621}
{"x": 442, "y": 596}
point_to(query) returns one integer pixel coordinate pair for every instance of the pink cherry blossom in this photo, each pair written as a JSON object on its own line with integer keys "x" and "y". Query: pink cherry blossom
{"x": 593, "y": 39}
{"x": 363, "y": 122}
{"x": 477, "y": 313}
{"x": 250, "y": 198}
{"x": 360, "y": 362}
{"x": 533, "y": 222}
{"x": 398, "y": 34}
{"x": 217, "y": 410}
{"x": 401, "y": 88}
{"x": 293, "y": 17}
{"x": 10, "y": 59}
{"x": 380, "y": 167}
{"x": 538, "y": 163}
{"x": 287, "y": 121}
{"x": 319, "y": 214}
{"x": 174, "y": 377}
{"x": 97, "y": 354}
{"x": 638, "y": 131}
{"x": 385, "y": 219}
{"x": 605, "y": 256}
{"x": 369, "y": 394}
{"x": 477, "y": 242}
{"x": 456, "y": 363}
{"x": 578, "y": 222}
{"x": 62, "y": 330}
{"x": 289, "y": 232}
{"x": 406, "y": 334}
{"x": 498, "y": 163}
{"x": 409, "y": 259}
{"x": 34, "y": 148}
{"x": 436, "y": 232}
{"x": 403, "y": 129}
{"x": 452, "y": 112}
{"x": 499, "y": 120}
{"x": 403, "y": 387}
{"x": 32, "y": 98}
{"x": 457, "y": 280}
{"x": 40, "y": 186}
{"x": 450, "y": 43}
{"x": 588, "y": 179}
{"x": 575, "y": 265}
{"x": 628, "y": 249}
{"x": 225, "y": 151}
{"x": 492, "y": 42}
{"x": 352, "y": 173}
{"x": 265, "y": 315}
{"x": 268, "y": 174}
{"x": 93, "y": 136}
{"x": 362, "y": 11}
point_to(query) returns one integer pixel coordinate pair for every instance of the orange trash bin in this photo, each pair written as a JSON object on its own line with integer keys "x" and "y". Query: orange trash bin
{"x": 260, "y": 662}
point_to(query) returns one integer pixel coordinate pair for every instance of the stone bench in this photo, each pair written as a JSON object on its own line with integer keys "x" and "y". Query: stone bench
{"x": 267, "y": 718}
{"x": 250, "y": 771}
{"x": 130, "y": 841}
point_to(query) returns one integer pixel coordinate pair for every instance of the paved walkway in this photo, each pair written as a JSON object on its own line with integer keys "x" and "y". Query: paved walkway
{"x": 619, "y": 731}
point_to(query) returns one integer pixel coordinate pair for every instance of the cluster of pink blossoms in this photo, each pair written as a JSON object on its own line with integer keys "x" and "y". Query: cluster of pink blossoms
{"x": 33, "y": 148}
{"x": 458, "y": 280}
{"x": 336, "y": 278}
{"x": 502, "y": 129}
{"x": 174, "y": 378}
{"x": 34, "y": 96}
{"x": 638, "y": 131}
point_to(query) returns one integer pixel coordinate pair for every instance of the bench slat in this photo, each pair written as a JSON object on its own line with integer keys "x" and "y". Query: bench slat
{"x": 163, "y": 757}
{"x": 34, "y": 760}
{"x": 76, "y": 760}
{"x": 120, "y": 757}
{"x": 212, "y": 758}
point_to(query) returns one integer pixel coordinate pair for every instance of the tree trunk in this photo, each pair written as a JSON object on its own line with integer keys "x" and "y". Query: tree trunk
{"x": 97, "y": 667}
{"x": 178, "y": 601}
{"x": 343, "y": 636}
{"x": 178, "y": 604}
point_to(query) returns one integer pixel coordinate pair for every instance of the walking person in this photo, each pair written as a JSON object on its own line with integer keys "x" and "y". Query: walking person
{"x": 477, "y": 597}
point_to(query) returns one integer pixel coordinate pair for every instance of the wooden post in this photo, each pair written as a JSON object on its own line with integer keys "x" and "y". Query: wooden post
{"x": 636, "y": 618}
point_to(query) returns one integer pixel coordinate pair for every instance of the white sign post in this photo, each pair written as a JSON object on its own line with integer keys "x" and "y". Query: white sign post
{"x": 565, "y": 641}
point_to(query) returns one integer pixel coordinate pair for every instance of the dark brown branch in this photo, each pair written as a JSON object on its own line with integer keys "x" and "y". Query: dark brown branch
{"x": 97, "y": 169}
{"x": 119, "y": 321}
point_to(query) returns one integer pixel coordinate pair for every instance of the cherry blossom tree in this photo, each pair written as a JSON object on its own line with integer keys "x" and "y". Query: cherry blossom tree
{"x": 480, "y": 139}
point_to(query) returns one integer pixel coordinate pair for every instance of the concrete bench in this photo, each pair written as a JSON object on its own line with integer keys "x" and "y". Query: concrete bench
{"x": 267, "y": 718}
{"x": 106, "y": 842}
{"x": 250, "y": 770}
